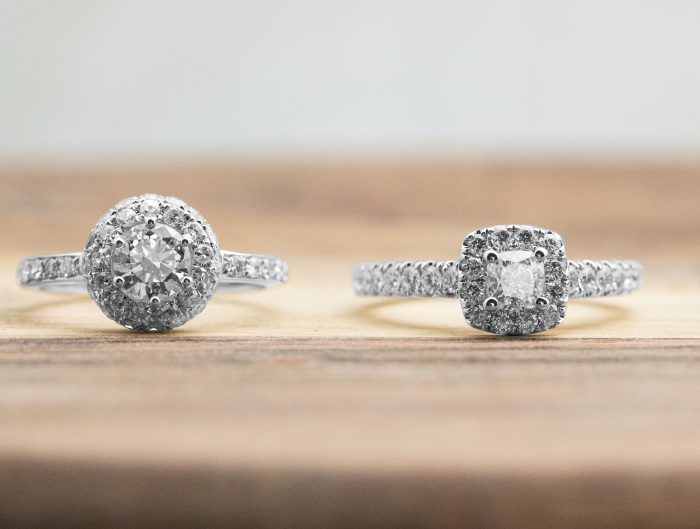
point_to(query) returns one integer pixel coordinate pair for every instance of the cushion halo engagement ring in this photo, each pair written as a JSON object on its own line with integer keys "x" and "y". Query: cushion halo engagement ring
{"x": 513, "y": 279}
{"x": 151, "y": 263}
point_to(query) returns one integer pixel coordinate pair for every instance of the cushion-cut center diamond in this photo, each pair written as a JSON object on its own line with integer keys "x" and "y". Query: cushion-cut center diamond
{"x": 152, "y": 263}
{"x": 516, "y": 278}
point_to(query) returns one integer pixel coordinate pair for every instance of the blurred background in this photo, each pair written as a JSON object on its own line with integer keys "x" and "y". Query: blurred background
{"x": 134, "y": 80}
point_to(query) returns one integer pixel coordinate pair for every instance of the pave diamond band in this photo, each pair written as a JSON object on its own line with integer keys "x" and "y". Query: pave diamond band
{"x": 242, "y": 271}
{"x": 439, "y": 279}
{"x": 151, "y": 263}
{"x": 431, "y": 279}
{"x": 510, "y": 279}
{"x": 61, "y": 272}
{"x": 590, "y": 278}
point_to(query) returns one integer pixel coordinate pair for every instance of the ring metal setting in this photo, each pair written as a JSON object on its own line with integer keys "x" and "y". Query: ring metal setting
{"x": 510, "y": 279}
{"x": 513, "y": 279}
{"x": 151, "y": 263}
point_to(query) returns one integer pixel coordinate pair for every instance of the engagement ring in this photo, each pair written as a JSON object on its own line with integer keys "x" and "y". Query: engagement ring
{"x": 513, "y": 279}
{"x": 151, "y": 263}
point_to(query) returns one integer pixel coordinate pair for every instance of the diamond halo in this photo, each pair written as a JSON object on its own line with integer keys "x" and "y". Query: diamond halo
{"x": 513, "y": 279}
{"x": 151, "y": 263}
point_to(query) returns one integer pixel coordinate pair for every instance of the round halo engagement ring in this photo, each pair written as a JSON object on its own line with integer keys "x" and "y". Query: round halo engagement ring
{"x": 513, "y": 279}
{"x": 151, "y": 263}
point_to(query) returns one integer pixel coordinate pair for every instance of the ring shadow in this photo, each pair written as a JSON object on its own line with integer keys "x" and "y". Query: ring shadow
{"x": 31, "y": 315}
{"x": 370, "y": 313}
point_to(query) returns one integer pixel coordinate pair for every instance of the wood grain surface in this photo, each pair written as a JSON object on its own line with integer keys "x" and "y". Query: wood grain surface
{"x": 304, "y": 406}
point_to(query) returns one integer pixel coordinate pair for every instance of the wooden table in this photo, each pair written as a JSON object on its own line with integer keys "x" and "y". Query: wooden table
{"x": 304, "y": 406}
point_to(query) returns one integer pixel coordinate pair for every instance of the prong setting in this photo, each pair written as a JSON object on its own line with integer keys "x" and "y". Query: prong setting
{"x": 490, "y": 256}
{"x": 491, "y": 304}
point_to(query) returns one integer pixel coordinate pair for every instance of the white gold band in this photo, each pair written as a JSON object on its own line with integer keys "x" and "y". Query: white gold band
{"x": 587, "y": 278}
{"x": 239, "y": 271}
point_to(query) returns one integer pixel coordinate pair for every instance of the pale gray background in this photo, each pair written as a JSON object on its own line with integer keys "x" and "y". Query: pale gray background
{"x": 143, "y": 79}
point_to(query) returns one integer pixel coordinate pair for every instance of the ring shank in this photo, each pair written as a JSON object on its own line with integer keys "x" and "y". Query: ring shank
{"x": 587, "y": 278}
{"x": 239, "y": 271}
{"x": 602, "y": 278}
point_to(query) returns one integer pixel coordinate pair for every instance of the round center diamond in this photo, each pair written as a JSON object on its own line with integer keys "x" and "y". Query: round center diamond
{"x": 152, "y": 262}
{"x": 516, "y": 278}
